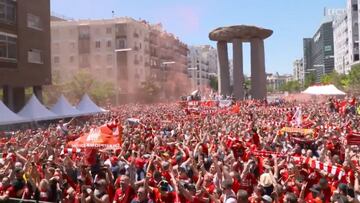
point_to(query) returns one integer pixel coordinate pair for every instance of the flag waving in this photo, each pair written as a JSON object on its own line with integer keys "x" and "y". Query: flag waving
{"x": 107, "y": 136}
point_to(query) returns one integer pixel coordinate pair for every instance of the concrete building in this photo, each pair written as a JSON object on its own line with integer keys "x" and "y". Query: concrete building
{"x": 346, "y": 38}
{"x": 123, "y": 51}
{"x": 319, "y": 51}
{"x": 202, "y": 64}
{"x": 275, "y": 81}
{"x": 24, "y": 49}
{"x": 341, "y": 45}
{"x": 298, "y": 70}
{"x": 352, "y": 8}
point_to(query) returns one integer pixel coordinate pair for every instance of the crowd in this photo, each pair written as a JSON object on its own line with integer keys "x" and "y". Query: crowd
{"x": 173, "y": 156}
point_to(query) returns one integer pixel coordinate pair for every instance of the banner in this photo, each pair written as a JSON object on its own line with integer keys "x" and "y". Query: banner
{"x": 225, "y": 103}
{"x": 297, "y": 130}
{"x": 107, "y": 136}
{"x": 353, "y": 138}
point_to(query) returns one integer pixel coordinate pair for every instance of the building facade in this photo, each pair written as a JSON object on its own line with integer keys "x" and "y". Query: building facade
{"x": 123, "y": 51}
{"x": 298, "y": 71}
{"x": 24, "y": 49}
{"x": 319, "y": 51}
{"x": 346, "y": 38}
{"x": 342, "y": 53}
{"x": 275, "y": 81}
{"x": 202, "y": 64}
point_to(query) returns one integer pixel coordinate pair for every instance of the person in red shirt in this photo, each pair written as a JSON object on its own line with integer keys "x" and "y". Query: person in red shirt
{"x": 126, "y": 192}
{"x": 142, "y": 196}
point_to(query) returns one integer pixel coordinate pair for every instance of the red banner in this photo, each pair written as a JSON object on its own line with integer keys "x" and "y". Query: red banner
{"x": 107, "y": 136}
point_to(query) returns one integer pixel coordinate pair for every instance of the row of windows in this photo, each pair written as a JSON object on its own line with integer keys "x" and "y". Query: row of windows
{"x": 8, "y": 50}
{"x": 85, "y": 60}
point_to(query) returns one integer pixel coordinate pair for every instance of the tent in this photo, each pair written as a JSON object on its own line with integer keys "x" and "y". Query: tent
{"x": 64, "y": 109}
{"x": 323, "y": 90}
{"x": 86, "y": 106}
{"x": 35, "y": 111}
{"x": 9, "y": 117}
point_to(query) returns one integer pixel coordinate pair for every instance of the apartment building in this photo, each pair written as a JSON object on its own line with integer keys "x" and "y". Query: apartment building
{"x": 123, "y": 51}
{"x": 24, "y": 49}
{"x": 202, "y": 64}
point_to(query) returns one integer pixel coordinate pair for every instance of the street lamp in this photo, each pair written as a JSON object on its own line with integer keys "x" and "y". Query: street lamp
{"x": 117, "y": 89}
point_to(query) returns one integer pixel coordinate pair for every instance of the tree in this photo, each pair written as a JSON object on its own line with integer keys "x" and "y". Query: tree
{"x": 214, "y": 83}
{"x": 291, "y": 86}
{"x": 81, "y": 83}
{"x": 334, "y": 78}
{"x": 310, "y": 79}
{"x": 149, "y": 91}
{"x": 354, "y": 79}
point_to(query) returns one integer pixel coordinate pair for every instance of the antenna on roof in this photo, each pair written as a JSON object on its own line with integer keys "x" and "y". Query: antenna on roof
{"x": 113, "y": 13}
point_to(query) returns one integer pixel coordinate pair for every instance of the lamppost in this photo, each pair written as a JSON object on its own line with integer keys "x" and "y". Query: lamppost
{"x": 118, "y": 89}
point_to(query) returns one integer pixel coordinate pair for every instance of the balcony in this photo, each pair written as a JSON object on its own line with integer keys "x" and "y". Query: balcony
{"x": 136, "y": 35}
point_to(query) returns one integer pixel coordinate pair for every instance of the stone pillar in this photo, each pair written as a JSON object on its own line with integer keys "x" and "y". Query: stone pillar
{"x": 258, "y": 75}
{"x": 14, "y": 98}
{"x": 8, "y": 97}
{"x": 238, "y": 88}
{"x": 224, "y": 74}
{"x": 38, "y": 93}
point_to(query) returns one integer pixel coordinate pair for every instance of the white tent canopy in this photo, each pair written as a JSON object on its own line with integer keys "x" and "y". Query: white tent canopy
{"x": 9, "y": 117}
{"x": 64, "y": 109}
{"x": 35, "y": 111}
{"x": 87, "y": 106}
{"x": 323, "y": 90}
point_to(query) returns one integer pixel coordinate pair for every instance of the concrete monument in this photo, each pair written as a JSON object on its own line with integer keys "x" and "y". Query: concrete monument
{"x": 237, "y": 35}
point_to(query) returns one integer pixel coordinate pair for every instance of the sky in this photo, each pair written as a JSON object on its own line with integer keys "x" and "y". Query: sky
{"x": 192, "y": 20}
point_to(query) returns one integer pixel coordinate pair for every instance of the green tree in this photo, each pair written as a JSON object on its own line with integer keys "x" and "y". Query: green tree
{"x": 334, "y": 78}
{"x": 354, "y": 79}
{"x": 310, "y": 79}
{"x": 102, "y": 92}
{"x": 291, "y": 86}
{"x": 81, "y": 83}
{"x": 214, "y": 84}
{"x": 149, "y": 91}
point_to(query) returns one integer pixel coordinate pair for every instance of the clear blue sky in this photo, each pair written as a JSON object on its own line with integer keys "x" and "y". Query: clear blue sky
{"x": 191, "y": 20}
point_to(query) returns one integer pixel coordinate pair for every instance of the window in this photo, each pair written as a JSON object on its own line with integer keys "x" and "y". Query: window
{"x": 97, "y": 44}
{"x": 108, "y": 30}
{"x": 34, "y": 21}
{"x": 8, "y": 47}
{"x": 120, "y": 43}
{"x": 71, "y": 59}
{"x": 8, "y": 11}
{"x": 56, "y": 59}
{"x": 35, "y": 56}
{"x": 108, "y": 44}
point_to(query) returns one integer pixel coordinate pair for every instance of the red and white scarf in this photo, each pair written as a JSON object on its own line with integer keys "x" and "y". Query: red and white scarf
{"x": 336, "y": 171}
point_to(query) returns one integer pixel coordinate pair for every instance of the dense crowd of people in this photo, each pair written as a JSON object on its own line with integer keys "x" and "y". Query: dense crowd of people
{"x": 234, "y": 155}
